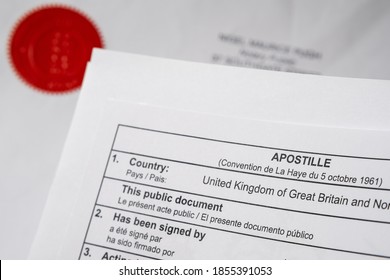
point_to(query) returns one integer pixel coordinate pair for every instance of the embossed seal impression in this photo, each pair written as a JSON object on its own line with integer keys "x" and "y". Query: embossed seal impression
{"x": 50, "y": 46}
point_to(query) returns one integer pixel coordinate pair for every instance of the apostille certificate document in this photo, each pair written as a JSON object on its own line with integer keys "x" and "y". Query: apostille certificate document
{"x": 153, "y": 182}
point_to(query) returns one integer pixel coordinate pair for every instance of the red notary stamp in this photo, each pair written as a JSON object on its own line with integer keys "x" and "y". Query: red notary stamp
{"x": 50, "y": 46}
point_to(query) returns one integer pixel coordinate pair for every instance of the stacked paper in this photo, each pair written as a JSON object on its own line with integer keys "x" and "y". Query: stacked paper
{"x": 340, "y": 38}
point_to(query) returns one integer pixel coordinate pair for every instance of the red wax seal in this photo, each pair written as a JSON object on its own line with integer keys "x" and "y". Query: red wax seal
{"x": 50, "y": 46}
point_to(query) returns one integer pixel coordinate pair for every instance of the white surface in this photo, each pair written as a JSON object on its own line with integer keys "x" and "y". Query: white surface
{"x": 305, "y": 270}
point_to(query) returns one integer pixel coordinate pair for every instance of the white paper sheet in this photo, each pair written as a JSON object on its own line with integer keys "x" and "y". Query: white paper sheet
{"x": 160, "y": 184}
{"x": 268, "y": 95}
{"x": 247, "y": 33}
{"x": 356, "y": 153}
